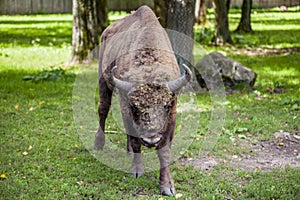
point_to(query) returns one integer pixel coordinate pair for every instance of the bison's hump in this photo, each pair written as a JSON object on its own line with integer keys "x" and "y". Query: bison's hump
{"x": 142, "y": 17}
{"x": 140, "y": 47}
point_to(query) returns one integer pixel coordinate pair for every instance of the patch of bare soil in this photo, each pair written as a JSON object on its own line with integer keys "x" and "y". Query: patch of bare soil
{"x": 282, "y": 150}
{"x": 267, "y": 51}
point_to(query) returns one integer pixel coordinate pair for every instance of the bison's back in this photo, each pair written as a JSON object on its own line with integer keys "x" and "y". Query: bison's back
{"x": 140, "y": 47}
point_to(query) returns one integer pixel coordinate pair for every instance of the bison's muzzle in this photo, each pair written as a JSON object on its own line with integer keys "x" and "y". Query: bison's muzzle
{"x": 151, "y": 140}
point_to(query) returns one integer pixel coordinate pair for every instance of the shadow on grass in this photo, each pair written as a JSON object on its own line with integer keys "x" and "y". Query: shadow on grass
{"x": 13, "y": 85}
{"x": 274, "y": 71}
{"x": 277, "y": 21}
{"x": 29, "y": 36}
{"x": 26, "y": 32}
{"x": 30, "y": 22}
{"x": 283, "y": 38}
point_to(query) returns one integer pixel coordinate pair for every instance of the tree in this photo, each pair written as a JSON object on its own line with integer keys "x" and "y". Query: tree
{"x": 200, "y": 11}
{"x": 245, "y": 22}
{"x": 222, "y": 33}
{"x": 228, "y": 5}
{"x": 181, "y": 18}
{"x": 89, "y": 20}
{"x": 161, "y": 10}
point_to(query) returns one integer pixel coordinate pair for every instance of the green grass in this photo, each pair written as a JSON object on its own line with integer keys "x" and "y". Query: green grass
{"x": 271, "y": 29}
{"x": 42, "y": 156}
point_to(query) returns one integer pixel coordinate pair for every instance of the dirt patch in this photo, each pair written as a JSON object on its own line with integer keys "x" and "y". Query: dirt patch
{"x": 278, "y": 152}
{"x": 267, "y": 51}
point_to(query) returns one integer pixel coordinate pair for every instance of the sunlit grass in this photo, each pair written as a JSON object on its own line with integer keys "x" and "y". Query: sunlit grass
{"x": 33, "y": 58}
{"x": 37, "y": 118}
{"x": 271, "y": 28}
{"x": 28, "y": 30}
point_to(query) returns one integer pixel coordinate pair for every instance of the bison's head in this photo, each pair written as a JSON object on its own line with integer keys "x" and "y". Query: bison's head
{"x": 150, "y": 105}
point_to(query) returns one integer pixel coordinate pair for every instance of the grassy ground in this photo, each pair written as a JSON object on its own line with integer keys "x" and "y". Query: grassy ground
{"x": 42, "y": 156}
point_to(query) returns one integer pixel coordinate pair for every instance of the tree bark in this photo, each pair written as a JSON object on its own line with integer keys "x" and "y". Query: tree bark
{"x": 245, "y": 22}
{"x": 102, "y": 14}
{"x": 181, "y": 18}
{"x": 228, "y": 5}
{"x": 161, "y": 11}
{"x": 200, "y": 12}
{"x": 89, "y": 20}
{"x": 222, "y": 33}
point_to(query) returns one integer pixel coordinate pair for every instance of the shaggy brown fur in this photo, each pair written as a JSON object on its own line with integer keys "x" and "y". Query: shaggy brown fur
{"x": 141, "y": 49}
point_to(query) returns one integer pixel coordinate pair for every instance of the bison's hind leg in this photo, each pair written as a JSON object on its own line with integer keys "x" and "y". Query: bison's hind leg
{"x": 105, "y": 95}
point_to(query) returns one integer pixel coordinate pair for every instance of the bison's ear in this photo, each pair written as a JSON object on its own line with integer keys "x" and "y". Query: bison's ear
{"x": 177, "y": 84}
{"x": 122, "y": 85}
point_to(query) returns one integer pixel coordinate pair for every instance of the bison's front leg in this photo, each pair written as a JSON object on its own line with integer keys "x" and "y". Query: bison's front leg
{"x": 166, "y": 182}
{"x": 134, "y": 150}
{"x": 105, "y": 95}
{"x": 133, "y": 142}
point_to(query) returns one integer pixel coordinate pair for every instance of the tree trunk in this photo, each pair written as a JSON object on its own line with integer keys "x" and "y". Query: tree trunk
{"x": 181, "y": 18}
{"x": 200, "y": 12}
{"x": 228, "y": 5}
{"x": 102, "y": 14}
{"x": 245, "y": 22}
{"x": 89, "y": 20}
{"x": 161, "y": 11}
{"x": 222, "y": 33}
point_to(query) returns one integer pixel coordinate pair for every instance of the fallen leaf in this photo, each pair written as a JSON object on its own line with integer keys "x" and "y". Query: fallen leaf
{"x": 180, "y": 168}
{"x": 25, "y": 153}
{"x": 297, "y": 136}
{"x": 31, "y": 108}
{"x": 178, "y": 195}
{"x": 79, "y": 182}
{"x": 281, "y": 144}
{"x": 242, "y": 136}
{"x": 3, "y": 176}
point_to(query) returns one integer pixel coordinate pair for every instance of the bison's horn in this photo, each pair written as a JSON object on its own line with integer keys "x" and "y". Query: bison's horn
{"x": 122, "y": 85}
{"x": 175, "y": 85}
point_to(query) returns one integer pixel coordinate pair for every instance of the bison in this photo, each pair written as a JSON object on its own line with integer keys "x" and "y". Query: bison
{"x": 137, "y": 59}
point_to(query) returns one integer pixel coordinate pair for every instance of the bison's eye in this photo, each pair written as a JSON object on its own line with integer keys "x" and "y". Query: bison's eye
{"x": 135, "y": 112}
{"x": 168, "y": 105}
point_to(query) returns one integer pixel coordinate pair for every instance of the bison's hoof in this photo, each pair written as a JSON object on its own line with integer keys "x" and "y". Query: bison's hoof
{"x": 98, "y": 145}
{"x": 168, "y": 191}
{"x": 97, "y": 148}
{"x": 137, "y": 174}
